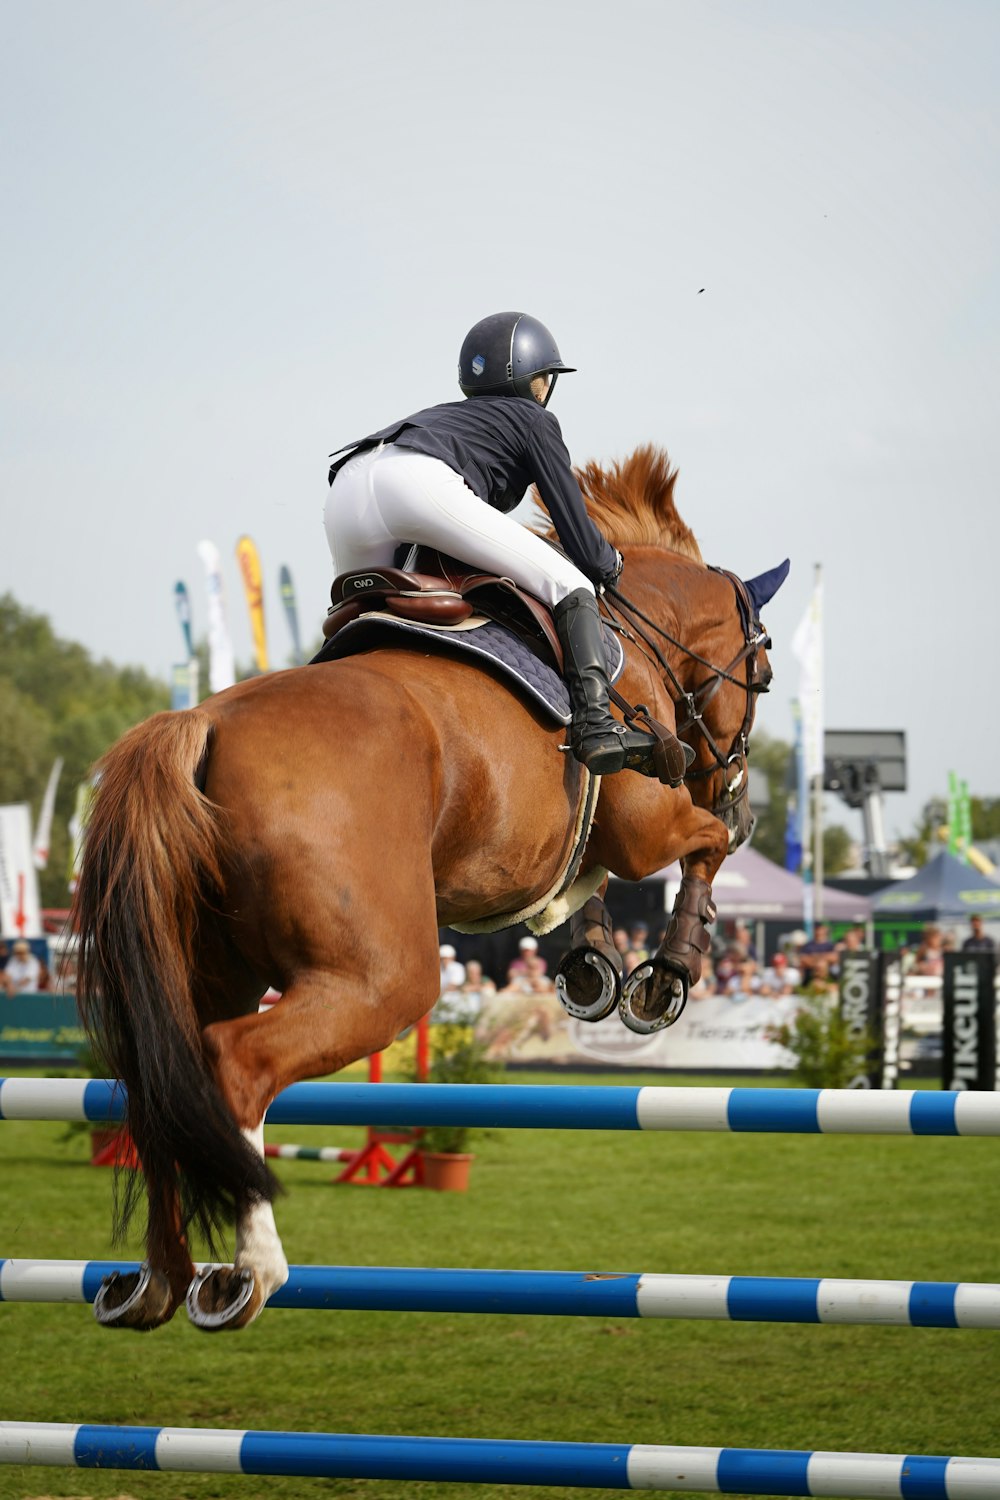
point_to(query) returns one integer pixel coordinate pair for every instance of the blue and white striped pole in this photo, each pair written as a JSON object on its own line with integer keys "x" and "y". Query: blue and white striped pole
{"x": 620, "y": 1466}
{"x": 550, "y": 1106}
{"x": 578, "y": 1294}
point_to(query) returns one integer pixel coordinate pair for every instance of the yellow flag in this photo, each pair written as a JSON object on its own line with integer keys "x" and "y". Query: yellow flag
{"x": 249, "y": 561}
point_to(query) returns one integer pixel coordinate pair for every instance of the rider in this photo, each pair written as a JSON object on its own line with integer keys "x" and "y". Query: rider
{"x": 447, "y": 476}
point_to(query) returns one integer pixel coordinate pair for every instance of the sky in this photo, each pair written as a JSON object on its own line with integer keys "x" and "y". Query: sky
{"x": 237, "y": 235}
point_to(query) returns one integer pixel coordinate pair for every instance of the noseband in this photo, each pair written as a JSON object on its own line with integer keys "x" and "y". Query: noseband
{"x": 691, "y": 706}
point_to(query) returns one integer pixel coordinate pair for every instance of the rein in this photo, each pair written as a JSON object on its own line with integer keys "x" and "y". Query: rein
{"x": 693, "y": 703}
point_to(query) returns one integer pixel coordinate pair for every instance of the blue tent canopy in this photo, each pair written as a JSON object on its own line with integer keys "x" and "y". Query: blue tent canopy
{"x": 943, "y": 890}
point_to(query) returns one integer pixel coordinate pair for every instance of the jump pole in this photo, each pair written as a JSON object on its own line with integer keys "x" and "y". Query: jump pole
{"x": 577, "y": 1294}
{"x": 473, "y": 1460}
{"x": 308, "y": 1153}
{"x": 922, "y": 1112}
{"x": 618, "y": 1466}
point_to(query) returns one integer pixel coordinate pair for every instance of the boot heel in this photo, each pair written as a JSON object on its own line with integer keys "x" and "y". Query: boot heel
{"x": 604, "y": 761}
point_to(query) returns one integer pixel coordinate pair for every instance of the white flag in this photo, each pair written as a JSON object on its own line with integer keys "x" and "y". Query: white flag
{"x": 43, "y": 831}
{"x": 221, "y": 663}
{"x": 807, "y": 644}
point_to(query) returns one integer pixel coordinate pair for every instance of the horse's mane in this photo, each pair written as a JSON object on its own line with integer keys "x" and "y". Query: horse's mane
{"x": 632, "y": 502}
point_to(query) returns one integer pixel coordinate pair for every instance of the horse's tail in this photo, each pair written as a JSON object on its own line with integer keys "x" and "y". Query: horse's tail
{"x": 152, "y": 864}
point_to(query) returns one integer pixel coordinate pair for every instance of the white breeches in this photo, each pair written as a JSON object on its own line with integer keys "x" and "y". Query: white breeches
{"x": 390, "y": 495}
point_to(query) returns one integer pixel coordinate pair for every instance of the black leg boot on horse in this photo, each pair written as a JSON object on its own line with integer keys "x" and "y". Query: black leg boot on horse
{"x": 598, "y": 740}
{"x": 589, "y": 977}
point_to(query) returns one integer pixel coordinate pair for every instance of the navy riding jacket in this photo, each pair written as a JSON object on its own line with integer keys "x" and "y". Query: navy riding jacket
{"x": 500, "y": 445}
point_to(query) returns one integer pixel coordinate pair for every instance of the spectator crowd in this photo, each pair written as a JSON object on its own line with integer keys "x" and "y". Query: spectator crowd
{"x": 22, "y": 972}
{"x": 732, "y": 967}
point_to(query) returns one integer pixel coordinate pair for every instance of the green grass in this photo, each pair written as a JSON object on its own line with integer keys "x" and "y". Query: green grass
{"x": 766, "y": 1205}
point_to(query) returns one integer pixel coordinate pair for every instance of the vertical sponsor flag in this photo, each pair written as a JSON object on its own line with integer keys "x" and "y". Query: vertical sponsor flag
{"x": 43, "y": 829}
{"x": 952, "y": 813}
{"x": 184, "y": 684}
{"x": 796, "y": 802}
{"x": 20, "y": 909}
{"x": 249, "y": 560}
{"x": 964, "y": 821}
{"x": 183, "y": 602}
{"x": 291, "y": 610}
{"x": 221, "y": 664}
{"x": 78, "y": 828}
{"x": 807, "y": 644}
{"x": 793, "y": 838}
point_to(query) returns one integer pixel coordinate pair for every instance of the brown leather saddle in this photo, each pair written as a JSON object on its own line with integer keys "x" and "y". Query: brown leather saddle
{"x": 436, "y": 589}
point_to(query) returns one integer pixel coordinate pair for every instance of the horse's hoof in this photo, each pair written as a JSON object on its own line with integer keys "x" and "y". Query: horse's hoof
{"x": 587, "y": 984}
{"x": 653, "y": 997}
{"x": 223, "y": 1297}
{"x": 134, "y": 1299}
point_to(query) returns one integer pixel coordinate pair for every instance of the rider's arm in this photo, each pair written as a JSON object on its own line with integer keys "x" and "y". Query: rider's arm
{"x": 553, "y": 473}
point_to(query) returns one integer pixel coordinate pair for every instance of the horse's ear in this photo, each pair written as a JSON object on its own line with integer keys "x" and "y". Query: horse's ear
{"x": 764, "y": 587}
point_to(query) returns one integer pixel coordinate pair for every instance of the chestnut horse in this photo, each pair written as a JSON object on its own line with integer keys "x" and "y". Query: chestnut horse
{"x": 313, "y": 828}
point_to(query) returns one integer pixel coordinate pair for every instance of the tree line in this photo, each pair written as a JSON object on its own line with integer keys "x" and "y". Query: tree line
{"x": 56, "y": 700}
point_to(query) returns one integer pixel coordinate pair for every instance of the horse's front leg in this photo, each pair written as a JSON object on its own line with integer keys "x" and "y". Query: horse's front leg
{"x": 655, "y": 993}
{"x": 589, "y": 978}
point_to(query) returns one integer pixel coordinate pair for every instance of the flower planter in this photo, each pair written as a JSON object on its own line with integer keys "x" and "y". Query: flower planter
{"x": 447, "y": 1171}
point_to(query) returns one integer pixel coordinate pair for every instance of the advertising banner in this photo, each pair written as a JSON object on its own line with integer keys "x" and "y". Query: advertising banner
{"x": 860, "y": 996}
{"x": 969, "y": 1059}
{"x": 719, "y": 1032}
{"x": 20, "y": 911}
{"x": 253, "y": 587}
{"x": 40, "y": 1029}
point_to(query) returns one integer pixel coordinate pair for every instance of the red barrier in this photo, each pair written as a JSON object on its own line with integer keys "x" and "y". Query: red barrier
{"x": 374, "y": 1166}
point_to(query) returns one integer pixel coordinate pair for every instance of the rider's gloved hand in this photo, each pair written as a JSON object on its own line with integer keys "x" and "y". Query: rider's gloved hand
{"x": 616, "y": 572}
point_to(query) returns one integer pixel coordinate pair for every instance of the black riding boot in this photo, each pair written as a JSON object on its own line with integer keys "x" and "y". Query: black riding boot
{"x": 596, "y": 739}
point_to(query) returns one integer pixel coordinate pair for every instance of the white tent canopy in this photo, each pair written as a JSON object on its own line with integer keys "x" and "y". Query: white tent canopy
{"x": 755, "y": 889}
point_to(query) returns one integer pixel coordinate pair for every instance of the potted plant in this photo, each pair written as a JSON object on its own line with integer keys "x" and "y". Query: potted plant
{"x": 828, "y": 1052}
{"x": 456, "y": 1057}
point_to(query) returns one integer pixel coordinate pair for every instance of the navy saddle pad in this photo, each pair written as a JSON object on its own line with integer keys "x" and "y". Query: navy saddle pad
{"x": 481, "y": 640}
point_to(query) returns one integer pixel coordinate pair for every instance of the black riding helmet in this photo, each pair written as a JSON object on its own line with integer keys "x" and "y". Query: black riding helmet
{"x": 503, "y": 353}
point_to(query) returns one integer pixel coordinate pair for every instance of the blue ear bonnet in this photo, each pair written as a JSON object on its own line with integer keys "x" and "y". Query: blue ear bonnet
{"x": 764, "y": 587}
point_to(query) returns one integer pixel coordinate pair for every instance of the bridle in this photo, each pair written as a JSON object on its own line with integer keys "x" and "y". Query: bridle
{"x": 690, "y": 706}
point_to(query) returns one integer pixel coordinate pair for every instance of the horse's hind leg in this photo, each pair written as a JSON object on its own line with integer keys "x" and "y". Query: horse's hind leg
{"x": 223, "y": 985}
{"x": 324, "y": 1021}
{"x": 144, "y": 1299}
{"x": 220, "y": 1297}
